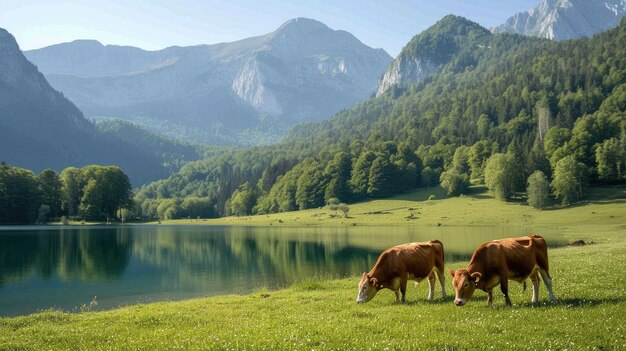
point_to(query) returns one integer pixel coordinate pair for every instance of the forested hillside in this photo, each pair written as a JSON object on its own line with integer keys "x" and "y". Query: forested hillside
{"x": 497, "y": 112}
{"x": 172, "y": 153}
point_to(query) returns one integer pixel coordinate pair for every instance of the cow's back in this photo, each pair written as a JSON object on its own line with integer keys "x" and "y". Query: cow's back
{"x": 417, "y": 259}
{"x": 420, "y": 258}
{"x": 519, "y": 255}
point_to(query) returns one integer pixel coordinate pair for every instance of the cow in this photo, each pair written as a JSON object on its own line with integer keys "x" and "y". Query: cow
{"x": 397, "y": 265}
{"x": 498, "y": 261}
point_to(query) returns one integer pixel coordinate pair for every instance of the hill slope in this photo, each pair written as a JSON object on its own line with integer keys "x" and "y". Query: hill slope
{"x": 40, "y": 128}
{"x": 303, "y": 71}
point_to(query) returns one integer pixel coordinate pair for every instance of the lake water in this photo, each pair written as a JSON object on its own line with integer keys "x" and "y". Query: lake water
{"x": 66, "y": 267}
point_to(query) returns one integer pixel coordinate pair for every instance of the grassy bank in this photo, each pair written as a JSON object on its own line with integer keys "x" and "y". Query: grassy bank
{"x": 589, "y": 284}
{"x": 602, "y": 205}
{"x": 317, "y": 314}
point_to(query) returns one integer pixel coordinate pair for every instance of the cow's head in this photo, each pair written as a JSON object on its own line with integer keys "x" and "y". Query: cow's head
{"x": 368, "y": 287}
{"x": 464, "y": 284}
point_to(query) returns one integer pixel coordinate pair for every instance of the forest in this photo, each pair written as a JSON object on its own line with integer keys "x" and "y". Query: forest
{"x": 512, "y": 112}
{"x": 89, "y": 193}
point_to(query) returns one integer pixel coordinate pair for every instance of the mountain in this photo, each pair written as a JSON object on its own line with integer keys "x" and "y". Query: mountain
{"x": 566, "y": 19}
{"x": 228, "y": 92}
{"x": 449, "y": 38}
{"x": 40, "y": 128}
{"x": 539, "y": 101}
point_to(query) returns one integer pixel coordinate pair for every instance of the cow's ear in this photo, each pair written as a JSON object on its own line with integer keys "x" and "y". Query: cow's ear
{"x": 451, "y": 271}
{"x": 374, "y": 281}
{"x": 476, "y": 276}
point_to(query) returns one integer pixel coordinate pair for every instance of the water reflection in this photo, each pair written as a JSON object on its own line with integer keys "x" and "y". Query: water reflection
{"x": 86, "y": 255}
{"x": 43, "y": 267}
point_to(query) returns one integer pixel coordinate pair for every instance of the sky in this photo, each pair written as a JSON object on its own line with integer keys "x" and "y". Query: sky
{"x": 156, "y": 24}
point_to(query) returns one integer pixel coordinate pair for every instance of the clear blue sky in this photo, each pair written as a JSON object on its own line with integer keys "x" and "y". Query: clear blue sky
{"x": 155, "y": 24}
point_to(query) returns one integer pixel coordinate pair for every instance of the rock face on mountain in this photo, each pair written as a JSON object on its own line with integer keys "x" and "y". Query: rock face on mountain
{"x": 304, "y": 71}
{"x": 431, "y": 49}
{"x": 406, "y": 69}
{"x": 566, "y": 19}
{"x": 40, "y": 128}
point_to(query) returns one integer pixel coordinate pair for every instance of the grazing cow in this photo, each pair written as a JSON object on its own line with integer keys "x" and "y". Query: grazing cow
{"x": 397, "y": 265}
{"x": 498, "y": 261}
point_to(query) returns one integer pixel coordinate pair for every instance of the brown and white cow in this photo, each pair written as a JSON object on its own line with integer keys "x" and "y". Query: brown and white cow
{"x": 498, "y": 261}
{"x": 397, "y": 265}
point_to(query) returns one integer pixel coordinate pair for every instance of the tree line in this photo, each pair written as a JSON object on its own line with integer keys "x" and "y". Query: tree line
{"x": 89, "y": 193}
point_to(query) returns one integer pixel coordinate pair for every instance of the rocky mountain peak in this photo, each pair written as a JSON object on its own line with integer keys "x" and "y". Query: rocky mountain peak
{"x": 566, "y": 19}
{"x": 301, "y": 25}
{"x": 305, "y": 37}
{"x": 431, "y": 49}
{"x": 315, "y": 55}
{"x": 8, "y": 44}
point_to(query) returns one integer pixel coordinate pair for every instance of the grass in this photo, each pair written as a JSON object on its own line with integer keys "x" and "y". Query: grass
{"x": 605, "y": 205}
{"x": 589, "y": 283}
{"x": 321, "y": 314}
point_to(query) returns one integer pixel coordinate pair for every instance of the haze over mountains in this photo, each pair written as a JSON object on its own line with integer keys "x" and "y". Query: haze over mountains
{"x": 566, "y": 19}
{"x": 222, "y": 93}
{"x": 40, "y": 128}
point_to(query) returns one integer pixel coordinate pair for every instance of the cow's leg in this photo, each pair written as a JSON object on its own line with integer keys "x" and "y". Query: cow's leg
{"x": 431, "y": 286}
{"x": 489, "y": 297}
{"x": 504, "y": 287}
{"x": 442, "y": 281}
{"x": 397, "y": 295}
{"x": 534, "y": 278}
{"x": 547, "y": 280}
{"x": 403, "y": 280}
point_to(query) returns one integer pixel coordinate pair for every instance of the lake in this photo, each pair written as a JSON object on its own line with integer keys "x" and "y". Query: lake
{"x": 44, "y": 267}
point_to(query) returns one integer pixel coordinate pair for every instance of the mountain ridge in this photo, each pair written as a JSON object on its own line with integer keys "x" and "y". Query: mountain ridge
{"x": 303, "y": 71}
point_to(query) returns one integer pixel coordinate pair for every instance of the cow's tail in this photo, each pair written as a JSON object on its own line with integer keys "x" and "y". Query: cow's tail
{"x": 436, "y": 241}
{"x": 524, "y": 289}
{"x": 538, "y": 240}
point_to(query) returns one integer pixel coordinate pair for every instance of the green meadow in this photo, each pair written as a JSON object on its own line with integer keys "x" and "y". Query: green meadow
{"x": 318, "y": 313}
{"x": 430, "y": 206}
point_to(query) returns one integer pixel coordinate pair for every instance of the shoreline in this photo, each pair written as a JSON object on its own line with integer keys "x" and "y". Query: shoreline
{"x": 605, "y": 205}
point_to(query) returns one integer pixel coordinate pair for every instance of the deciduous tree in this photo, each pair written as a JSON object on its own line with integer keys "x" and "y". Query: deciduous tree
{"x": 501, "y": 175}
{"x": 538, "y": 190}
{"x": 569, "y": 180}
